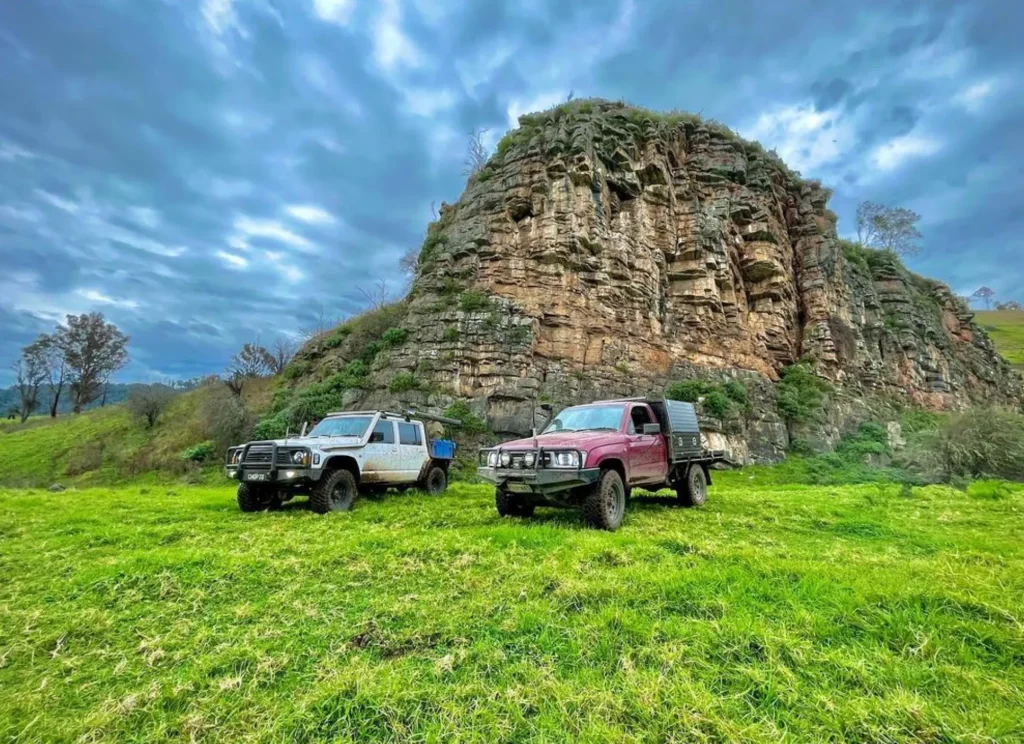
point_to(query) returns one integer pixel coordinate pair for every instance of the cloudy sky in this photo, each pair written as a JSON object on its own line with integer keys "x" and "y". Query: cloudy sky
{"x": 203, "y": 171}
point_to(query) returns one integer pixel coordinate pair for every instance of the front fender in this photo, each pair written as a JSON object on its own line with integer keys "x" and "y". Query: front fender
{"x": 606, "y": 455}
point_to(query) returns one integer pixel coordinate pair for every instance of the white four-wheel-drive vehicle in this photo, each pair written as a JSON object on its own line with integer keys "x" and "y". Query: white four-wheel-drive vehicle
{"x": 342, "y": 455}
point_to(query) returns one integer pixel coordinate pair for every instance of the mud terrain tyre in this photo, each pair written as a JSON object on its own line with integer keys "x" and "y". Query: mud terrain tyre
{"x": 335, "y": 491}
{"x": 694, "y": 490}
{"x": 605, "y": 505}
{"x": 436, "y": 481}
{"x": 512, "y": 505}
{"x": 254, "y": 497}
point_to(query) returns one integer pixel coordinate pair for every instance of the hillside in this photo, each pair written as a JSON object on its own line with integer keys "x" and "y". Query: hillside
{"x": 606, "y": 250}
{"x": 1006, "y": 329}
{"x": 847, "y": 613}
{"x": 108, "y": 445}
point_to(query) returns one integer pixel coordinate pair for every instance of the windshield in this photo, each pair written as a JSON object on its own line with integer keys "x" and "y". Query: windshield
{"x": 342, "y": 426}
{"x": 586, "y": 418}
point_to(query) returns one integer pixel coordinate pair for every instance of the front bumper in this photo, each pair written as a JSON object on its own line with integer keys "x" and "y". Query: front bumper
{"x": 544, "y": 481}
{"x": 282, "y": 476}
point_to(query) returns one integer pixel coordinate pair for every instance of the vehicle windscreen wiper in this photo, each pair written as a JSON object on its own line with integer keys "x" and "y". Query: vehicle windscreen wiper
{"x": 597, "y": 428}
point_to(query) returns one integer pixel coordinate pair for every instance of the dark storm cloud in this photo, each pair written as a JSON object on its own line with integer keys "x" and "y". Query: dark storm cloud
{"x": 206, "y": 171}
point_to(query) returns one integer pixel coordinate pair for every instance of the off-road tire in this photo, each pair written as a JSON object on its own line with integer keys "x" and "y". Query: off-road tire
{"x": 254, "y": 497}
{"x": 605, "y": 505}
{"x": 693, "y": 491}
{"x": 436, "y": 481}
{"x": 335, "y": 491}
{"x": 512, "y": 505}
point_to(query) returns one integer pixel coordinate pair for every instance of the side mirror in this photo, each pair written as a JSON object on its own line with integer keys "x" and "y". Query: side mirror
{"x": 304, "y": 425}
{"x": 652, "y": 428}
{"x": 377, "y": 436}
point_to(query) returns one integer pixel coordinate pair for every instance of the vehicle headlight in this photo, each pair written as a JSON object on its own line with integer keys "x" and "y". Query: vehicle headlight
{"x": 565, "y": 459}
{"x": 529, "y": 459}
{"x": 492, "y": 459}
{"x": 506, "y": 458}
{"x": 299, "y": 457}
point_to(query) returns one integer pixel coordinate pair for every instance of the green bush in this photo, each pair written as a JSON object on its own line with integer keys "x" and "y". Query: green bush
{"x": 870, "y": 439}
{"x": 403, "y": 382}
{"x": 801, "y": 393}
{"x": 980, "y": 443}
{"x": 450, "y": 335}
{"x": 273, "y": 427}
{"x": 689, "y": 391}
{"x": 200, "y": 452}
{"x": 471, "y": 423}
{"x": 313, "y": 407}
{"x": 993, "y": 490}
{"x": 435, "y": 239}
{"x": 717, "y": 403}
{"x": 356, "y": 368}
{"x": 394, "y": 336}
{"x": 474, "y": 300}
{"x": 297, "y": 369}
{"x": 737, "y": 392}
{"x": 337, "y": 337}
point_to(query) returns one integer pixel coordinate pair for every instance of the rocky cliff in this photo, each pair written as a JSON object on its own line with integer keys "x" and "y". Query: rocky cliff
{"x": 606, "y": 250}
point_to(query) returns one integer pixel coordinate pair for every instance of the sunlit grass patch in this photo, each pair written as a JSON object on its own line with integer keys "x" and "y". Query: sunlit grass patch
{"x": 861, "y": 613}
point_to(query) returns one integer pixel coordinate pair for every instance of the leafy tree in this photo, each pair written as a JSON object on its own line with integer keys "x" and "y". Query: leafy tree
{"x": 147, "y": 402}
{"x": 984, "y": 294}
{"x": 29, "y": 374}
{"x": 93, "y": 350}
{"x": 49, "y": 349}
{"x": 1011, "y": 305}
{"x": 888, "y": 228}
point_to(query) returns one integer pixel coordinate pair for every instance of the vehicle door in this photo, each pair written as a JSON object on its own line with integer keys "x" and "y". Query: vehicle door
{"x": 412, "y": 451}
{"x": 382, "y": 460}
{"x": 648, "y": 461}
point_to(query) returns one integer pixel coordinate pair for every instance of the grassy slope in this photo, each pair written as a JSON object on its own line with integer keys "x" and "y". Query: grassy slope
{"x": 107, "y": 445}
{"x": 1006, "y": 328}
{"x": 837, "y": 613}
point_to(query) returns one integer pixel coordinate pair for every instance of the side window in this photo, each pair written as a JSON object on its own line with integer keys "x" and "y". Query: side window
{"x": 385, "y": 428}
{"x": 409, "y": 433}
{"x": 639, "y": 416}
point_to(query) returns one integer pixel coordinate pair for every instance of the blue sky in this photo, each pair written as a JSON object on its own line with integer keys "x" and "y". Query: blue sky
{"x": 203, "y": 171}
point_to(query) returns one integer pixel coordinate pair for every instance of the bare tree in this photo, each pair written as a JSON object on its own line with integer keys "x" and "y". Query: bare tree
{"x": 888, "y": 228}
{"x": 29, "y": 374}
{"x": 476, "y": 153}
{"x": 280, "y": 355}
{"x": 409, "y": 263}
{"x": 377, "y": 296}
{"x": 147, "y": 402}
{"x": 321, "y": 325}
{"x": 93, "y": 350}
{"x": 252, "y": 360}
{"x": 984, "y": 294}
{"x": 56, "y": 367}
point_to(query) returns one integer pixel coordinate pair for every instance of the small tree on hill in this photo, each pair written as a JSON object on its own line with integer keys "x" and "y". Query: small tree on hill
{"x": 280, "y": 355}
{"x": 476, "y": 152}
{"x": 56, "y": 367}
{"x": 93, "y": 350}
{"x": 888, "y": 228}
{"x": 252, "y": 360}
{"x": 985, "y": 295}
{"x": 29, "y": 373}
{"x": 147, "y": 402}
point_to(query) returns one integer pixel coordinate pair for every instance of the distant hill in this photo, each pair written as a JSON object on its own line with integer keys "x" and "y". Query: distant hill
{"x": 9, "y": 398}
{"x": 1006, "y": 329}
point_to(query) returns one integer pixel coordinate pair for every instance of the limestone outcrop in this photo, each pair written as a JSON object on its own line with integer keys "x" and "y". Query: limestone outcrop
{"x": 605, "y": 250}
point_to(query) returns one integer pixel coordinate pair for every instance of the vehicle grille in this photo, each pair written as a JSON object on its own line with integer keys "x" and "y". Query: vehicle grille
{"x": 259, "y": 456}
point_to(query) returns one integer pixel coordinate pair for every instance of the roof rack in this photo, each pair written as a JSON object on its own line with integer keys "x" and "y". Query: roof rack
{"x": 410, "y": 414}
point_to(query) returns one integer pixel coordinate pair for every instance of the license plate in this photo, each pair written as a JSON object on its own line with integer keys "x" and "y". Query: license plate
{"x": 519, "y": 488}
{"x": 256, "y": 476}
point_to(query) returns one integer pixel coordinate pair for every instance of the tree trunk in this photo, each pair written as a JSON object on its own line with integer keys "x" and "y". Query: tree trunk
{"x": 103, "y": 400}
{"x": 53, "y": 404}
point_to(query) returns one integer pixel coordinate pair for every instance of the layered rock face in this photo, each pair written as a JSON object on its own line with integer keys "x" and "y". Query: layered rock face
{"x": 606, "y": 251}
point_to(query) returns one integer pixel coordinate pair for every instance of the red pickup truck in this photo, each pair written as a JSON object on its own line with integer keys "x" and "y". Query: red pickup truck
{"x": 592, "y": 456}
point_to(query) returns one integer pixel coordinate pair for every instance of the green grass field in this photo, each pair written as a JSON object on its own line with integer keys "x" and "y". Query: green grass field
{"x": 853, "y": 613}
{"x": 1006, "y": 328}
